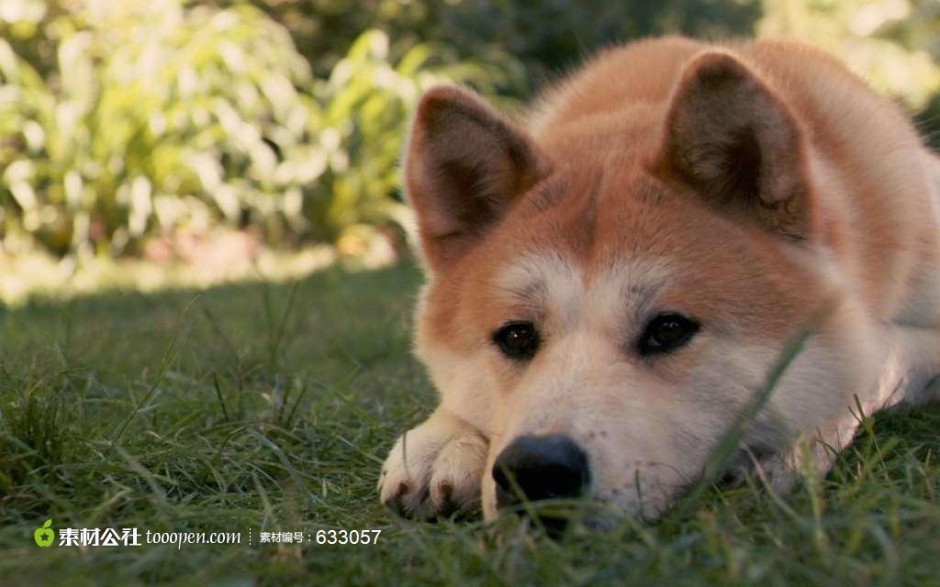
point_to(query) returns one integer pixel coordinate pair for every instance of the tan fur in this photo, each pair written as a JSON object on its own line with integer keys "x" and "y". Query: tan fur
{"x": 752, "y": 186}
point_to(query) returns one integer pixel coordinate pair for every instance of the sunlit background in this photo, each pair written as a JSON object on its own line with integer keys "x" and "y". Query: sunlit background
{"x": 155, "y": 143}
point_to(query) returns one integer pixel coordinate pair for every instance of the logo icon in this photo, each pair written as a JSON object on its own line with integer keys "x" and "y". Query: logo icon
{"x": 44, "y": 536}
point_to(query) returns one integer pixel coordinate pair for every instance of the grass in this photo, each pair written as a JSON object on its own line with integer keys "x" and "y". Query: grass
{"x": 271, "y": 407}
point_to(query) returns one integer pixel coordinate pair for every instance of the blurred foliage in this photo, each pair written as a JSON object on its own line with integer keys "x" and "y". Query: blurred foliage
{"x": 151, "y": 114}
{"x": 123, "y": 120}
{"x": 894, "y": 44}
{"x": 546, "y": 36}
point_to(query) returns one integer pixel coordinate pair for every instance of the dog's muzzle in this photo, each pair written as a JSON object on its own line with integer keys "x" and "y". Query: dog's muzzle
{"x": 536, "y": 468}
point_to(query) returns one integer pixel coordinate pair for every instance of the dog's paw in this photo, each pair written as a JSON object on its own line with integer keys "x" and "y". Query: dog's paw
{"x": 434, "y": 470}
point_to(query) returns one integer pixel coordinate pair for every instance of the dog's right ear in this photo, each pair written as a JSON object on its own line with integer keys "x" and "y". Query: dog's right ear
{"x": 464, "y": 165}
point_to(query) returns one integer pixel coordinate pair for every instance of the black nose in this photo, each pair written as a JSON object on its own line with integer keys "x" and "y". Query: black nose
{"x": 541, "y": 467}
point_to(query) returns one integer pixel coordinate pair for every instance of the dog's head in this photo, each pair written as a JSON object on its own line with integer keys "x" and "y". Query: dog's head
{"x": 604, "y": 298}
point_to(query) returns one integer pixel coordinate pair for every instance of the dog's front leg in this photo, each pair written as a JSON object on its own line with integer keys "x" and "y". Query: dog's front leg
{"x": 434, "y": 470}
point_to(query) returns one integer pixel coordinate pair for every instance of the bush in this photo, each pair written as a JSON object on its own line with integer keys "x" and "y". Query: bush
{"x": 156, "y": 116}
{"x": 153, "y": 117}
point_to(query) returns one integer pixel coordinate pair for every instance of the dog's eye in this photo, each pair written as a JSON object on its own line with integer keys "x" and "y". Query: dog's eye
{"x": 518, "y": 340}
{"x": 667, "y": 332}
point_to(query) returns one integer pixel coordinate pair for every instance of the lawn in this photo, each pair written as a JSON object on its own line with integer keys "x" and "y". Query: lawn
{"x": 269, "y": 408}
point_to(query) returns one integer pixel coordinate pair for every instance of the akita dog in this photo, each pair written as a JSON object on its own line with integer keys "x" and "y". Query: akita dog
{"x": 611, "y": 281}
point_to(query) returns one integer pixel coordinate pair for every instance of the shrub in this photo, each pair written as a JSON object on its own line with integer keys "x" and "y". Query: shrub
{"x": 154, "y": 116}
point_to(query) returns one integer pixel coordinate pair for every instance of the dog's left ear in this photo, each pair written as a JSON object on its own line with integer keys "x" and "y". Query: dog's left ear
{"x": 730, "y": 138}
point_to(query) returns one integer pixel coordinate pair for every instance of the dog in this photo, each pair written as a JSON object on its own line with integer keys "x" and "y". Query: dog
{"x": 611, "y": 281}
